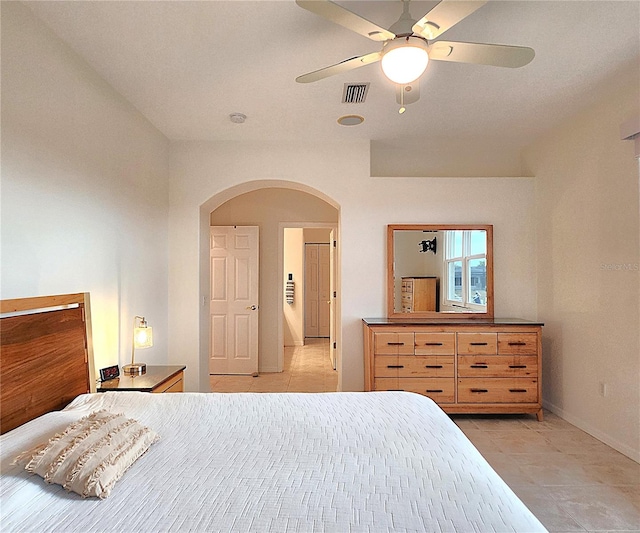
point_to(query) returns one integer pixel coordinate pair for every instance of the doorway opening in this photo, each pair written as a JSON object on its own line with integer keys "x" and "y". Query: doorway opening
{"x": 271, "y": 205}
{"x": 309, "y": 310}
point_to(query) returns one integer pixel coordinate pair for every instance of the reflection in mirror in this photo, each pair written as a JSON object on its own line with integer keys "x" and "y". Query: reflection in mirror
{"x": 440, "y": 269}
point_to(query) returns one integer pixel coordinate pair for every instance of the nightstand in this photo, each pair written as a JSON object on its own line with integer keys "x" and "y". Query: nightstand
{"x": 155, "y": 379}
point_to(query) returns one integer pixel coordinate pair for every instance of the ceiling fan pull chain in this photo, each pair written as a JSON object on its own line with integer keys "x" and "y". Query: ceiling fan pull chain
{"x": 402, "y": 108}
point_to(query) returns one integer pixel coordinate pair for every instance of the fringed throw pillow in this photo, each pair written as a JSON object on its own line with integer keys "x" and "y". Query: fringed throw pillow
{"x": 90, "y": 455}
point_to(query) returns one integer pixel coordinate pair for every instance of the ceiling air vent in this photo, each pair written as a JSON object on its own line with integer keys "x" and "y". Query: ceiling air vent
{"x": 354, "y": 93}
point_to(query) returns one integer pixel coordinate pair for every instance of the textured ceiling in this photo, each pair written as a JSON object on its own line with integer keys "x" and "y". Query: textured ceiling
{"x": 187, "y": 65}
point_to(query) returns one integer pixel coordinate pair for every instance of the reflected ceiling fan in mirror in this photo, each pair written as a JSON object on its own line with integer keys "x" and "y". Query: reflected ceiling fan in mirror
{"x": 408, "y": 45}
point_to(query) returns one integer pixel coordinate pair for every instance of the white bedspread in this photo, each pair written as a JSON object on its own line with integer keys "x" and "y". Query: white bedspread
{"x": 339, "y": 462}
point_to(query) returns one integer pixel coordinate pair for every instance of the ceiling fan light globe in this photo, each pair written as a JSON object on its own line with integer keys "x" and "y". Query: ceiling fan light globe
{"x": 404, "y": 61}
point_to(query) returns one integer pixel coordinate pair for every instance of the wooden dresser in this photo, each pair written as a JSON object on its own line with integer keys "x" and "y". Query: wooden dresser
{"x": 418, "y": 294}
{"x": 470, "y": 366}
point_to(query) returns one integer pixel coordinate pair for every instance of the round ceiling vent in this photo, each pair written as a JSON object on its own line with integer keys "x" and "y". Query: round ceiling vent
{"x": 350, "y": 120}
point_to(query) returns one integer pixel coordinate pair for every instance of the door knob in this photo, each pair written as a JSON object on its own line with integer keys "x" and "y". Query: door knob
{"x": 252, "y": 307}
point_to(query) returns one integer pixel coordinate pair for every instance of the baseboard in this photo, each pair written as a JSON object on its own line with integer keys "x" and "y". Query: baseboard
{"x": 269, "y": 369}
{"x": 603, "y": 437}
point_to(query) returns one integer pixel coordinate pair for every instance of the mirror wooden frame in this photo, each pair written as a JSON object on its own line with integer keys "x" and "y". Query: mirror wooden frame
{"x": 391, "y": 313}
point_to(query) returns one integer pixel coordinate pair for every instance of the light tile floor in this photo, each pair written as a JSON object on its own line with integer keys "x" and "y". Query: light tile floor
{"x": 306, "y": 369}
{"x": 570, "y": 480}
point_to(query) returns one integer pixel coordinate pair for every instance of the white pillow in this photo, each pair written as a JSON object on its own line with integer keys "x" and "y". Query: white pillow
{"x": 90, "y": 455}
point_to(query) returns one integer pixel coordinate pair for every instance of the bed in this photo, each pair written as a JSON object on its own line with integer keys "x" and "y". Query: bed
{"x": 339, "y": 462}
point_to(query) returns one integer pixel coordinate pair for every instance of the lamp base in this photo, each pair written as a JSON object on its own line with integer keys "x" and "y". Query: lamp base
{"x": 136, "y": 368}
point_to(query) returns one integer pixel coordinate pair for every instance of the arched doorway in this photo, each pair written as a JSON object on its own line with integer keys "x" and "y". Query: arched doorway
{"x": 272, "y": 205}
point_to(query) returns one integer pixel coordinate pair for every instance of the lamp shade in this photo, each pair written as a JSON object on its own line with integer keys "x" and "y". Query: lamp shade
{"x": 405, "y": 59}
{"x": 143, "y": 337}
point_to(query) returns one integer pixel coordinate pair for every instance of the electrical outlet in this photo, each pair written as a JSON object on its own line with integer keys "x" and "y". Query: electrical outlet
{"x": 602, "y": 388}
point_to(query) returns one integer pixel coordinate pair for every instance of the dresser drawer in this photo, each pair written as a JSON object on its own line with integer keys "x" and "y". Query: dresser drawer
{"x": 497, "y": 365}
{"x": 497, "y": 390}
{"x": 407, "y": 366}
{"x": 425, "y": 366}
{"x": 388, "y": 366}
{"x": 435, "y": 343}
{"x": 439, "y": 389}
{"x": 477, "y": 343}
{"x": 517, "y": 343}
{"x": 393, "y": 343}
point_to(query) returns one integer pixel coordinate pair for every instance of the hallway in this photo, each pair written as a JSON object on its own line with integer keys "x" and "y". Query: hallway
{"x": 306, "y": 369}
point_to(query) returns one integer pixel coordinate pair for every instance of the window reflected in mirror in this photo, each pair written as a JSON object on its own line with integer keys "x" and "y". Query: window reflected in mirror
{"x": 465, "y": 265}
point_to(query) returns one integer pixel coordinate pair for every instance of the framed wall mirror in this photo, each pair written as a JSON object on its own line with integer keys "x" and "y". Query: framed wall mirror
{"x": 439, "y": 271}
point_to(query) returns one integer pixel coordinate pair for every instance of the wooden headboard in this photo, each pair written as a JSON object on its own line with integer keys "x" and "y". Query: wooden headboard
{"x": 46, "y": 355}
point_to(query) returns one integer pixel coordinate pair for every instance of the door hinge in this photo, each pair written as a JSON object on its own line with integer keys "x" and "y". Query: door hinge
{"x": 335, "y": 294}
{"x": 334, "y": 244}
{"x": 334, "y": 346}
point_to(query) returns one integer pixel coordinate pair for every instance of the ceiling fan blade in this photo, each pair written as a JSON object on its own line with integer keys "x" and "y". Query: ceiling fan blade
{"x": 498, "y": 55}
{"x": 344, "y": 17}
{"x": 343, "y": 66}
{"x": 445, "y": 15}
{"x": 409, "y": 93}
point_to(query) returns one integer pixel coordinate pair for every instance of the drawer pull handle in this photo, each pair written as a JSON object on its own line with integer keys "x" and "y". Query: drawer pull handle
{"x": 433, "y": 344}
{"x": 433, "y": 366}
{"x": 478, "y": 343}
{"x": 434, "y": 390}
{"x": 517, "y": 390}
{"x": 480, "y": 366}
{"x": 517, "y": 344}
{"x": 395, "y": 366}
{"x": 395, "y": 343}
{"x": 517, "y": 366}
{"x": 479, "y": 390}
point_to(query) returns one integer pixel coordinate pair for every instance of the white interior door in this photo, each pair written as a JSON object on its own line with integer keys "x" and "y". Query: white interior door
{"x": 233, "y": 346}
{"x": 317, "y": 290}
{"x": 324, "y": 290}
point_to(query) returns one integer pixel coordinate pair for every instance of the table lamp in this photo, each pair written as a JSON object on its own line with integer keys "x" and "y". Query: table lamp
{"x": 142, "y": 338}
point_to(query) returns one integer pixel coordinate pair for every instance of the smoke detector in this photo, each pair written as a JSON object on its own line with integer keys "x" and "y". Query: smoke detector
{"x": 237, "y": 118}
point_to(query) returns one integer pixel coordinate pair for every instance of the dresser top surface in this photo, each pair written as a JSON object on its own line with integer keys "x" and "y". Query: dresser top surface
{"x": 450, "y": 321}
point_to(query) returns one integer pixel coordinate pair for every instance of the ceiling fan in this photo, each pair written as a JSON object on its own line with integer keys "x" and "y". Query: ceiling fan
{"x": 408, "y": 45}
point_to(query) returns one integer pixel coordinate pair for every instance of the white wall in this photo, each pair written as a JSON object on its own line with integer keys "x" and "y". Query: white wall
{"x": 588, "y": 227}
{"x": 84, "y": 190}
{"x": 317, "y": 235}
{"x": 294, "y": 264}
{"x": 341, "y": 172}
